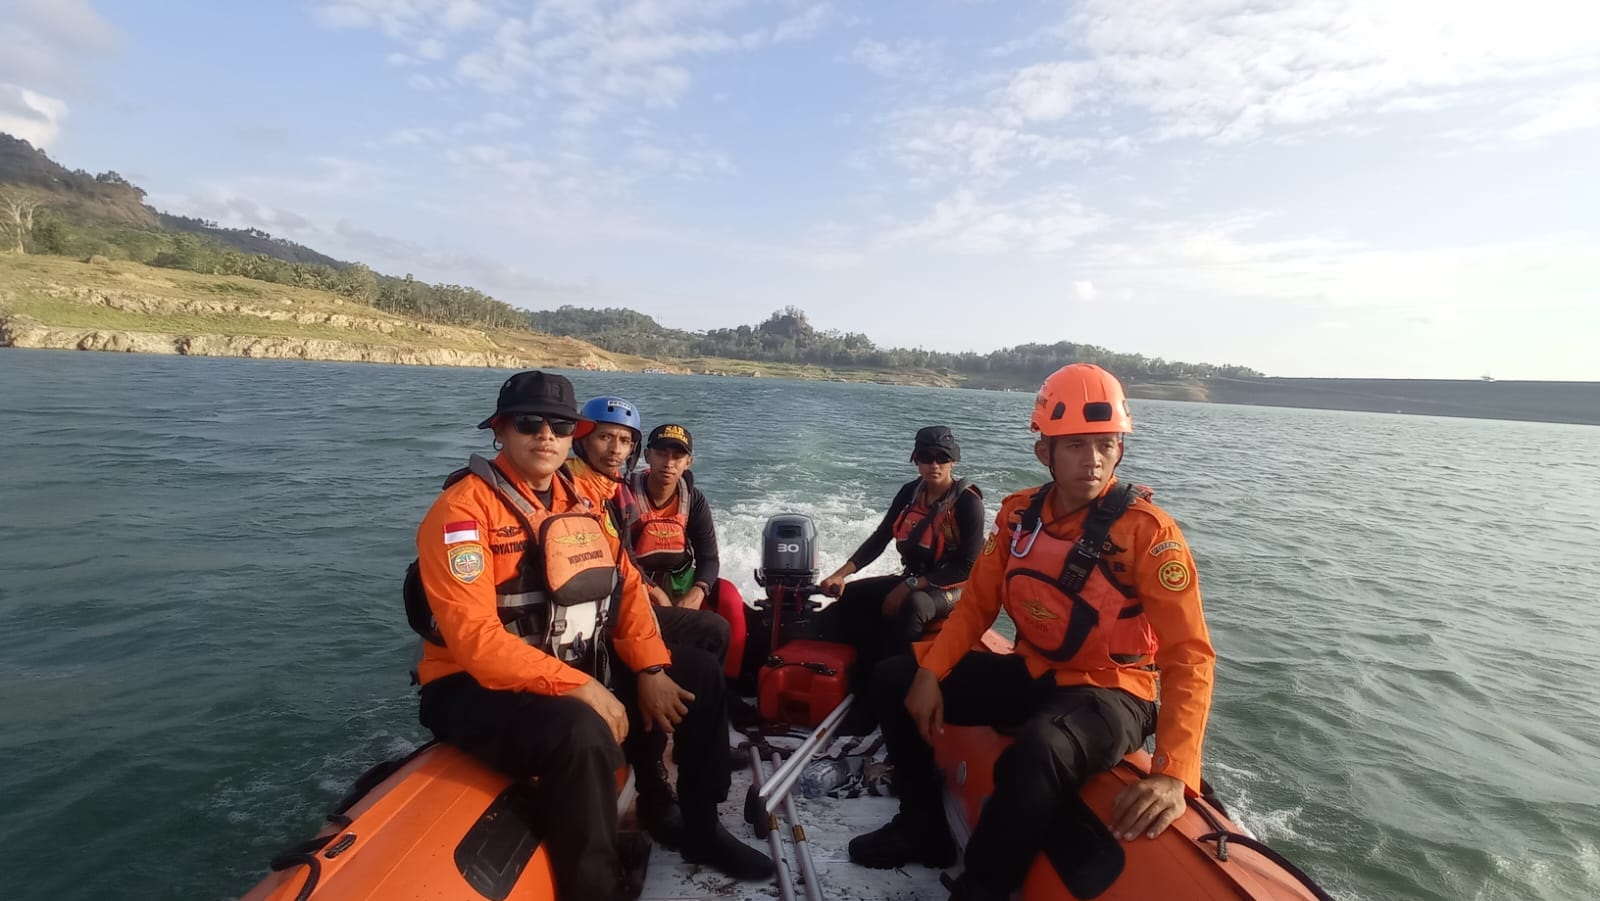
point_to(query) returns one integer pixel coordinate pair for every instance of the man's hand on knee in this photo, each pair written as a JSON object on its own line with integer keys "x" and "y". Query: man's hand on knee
{"x": 1148, "y": 806}
{"x": 662, "y": 702}
{"x": 606, "y": 704}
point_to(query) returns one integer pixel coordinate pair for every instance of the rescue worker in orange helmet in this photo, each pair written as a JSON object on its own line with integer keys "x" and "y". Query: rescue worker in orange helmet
{"x": 542, "y": 653}
{"x": 936, "y": 524}
{"x": 1106, "y": 627}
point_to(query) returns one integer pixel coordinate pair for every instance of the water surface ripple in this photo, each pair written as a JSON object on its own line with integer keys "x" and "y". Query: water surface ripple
{"x": 203, "y": 643}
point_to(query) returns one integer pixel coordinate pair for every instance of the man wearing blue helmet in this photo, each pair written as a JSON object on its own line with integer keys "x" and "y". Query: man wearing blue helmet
{"x": 603, "y": 459}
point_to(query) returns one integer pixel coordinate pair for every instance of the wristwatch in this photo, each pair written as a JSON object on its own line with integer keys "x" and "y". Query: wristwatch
{"x": 911, "y": 582}
{"x": 652, "y": 670}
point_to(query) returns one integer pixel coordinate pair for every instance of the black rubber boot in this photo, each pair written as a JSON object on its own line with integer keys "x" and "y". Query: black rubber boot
{"x": 707, "y": 843}
{"x": 658, "y": 809}
{"x": 905, "y": 840}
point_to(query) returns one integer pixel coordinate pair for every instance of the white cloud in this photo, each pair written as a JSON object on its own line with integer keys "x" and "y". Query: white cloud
{"x": 407, "y": 18}
{"x": 808, "y": 23}
{"x": 1232, "y": 69}
{"x": 1048, "y": 92}
{"x": 410, "y": 137}
{"x": 1575, "y": 108}
{"x": 1170, "y": 263}
{"x": 1125, "y": 75}
{"x": 1044, "y": 223}
{"x": 32, "y": 117}
{"x": 938, "y": 144}
{"x": 904, "y": 58}
{"x": 592, "y": 58}
{"x": 48, "y": 47}
{"x": 1084, "y": 291}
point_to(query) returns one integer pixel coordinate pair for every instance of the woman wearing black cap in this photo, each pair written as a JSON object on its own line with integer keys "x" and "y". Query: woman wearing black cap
{"x": 936, "y": 522}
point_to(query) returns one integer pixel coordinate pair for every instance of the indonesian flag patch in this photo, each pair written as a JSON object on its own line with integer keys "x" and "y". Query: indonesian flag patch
{"x": 457, "y": 532}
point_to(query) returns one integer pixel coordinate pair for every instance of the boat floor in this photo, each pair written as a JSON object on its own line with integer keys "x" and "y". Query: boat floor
{"x": 829, "y": 824}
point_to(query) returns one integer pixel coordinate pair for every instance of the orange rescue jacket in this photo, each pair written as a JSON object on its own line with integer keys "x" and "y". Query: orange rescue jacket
{"x": 1155, "y": 578}
{"x": 468, "y": 544}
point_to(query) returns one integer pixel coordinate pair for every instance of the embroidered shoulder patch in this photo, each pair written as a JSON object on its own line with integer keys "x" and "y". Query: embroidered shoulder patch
{"x": 1174, "y": 575}
{"x": 608, "y": 525}
{"x": 466, "y": 563}
{"x": 1165, "y": 546}
{"x": 990, "y": 542}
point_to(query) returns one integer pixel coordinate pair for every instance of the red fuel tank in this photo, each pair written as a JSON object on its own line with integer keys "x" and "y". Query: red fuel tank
{"x": 804, "y": 680}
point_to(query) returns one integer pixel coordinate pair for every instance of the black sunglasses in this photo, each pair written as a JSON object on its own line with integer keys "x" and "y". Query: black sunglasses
{"x": 530, "y": 424}
{"x": 931, "y": 457}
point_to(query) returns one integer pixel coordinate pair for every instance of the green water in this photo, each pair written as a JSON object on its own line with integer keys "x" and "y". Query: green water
{"x": 201, "y": 642}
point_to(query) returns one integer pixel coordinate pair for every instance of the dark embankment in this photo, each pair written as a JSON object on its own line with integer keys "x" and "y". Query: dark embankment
{"x": 1574, "y": 402}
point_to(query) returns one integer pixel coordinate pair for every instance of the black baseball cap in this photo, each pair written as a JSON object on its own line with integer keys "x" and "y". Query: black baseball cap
{"x": 670, "y": 433}
{"x": 936, "y": 438}
{"x": 544, "y": 393}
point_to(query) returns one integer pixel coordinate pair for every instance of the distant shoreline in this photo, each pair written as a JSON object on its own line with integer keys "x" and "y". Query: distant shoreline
{"x": 1575, "y": 403}
{"x": 61, "y": 304}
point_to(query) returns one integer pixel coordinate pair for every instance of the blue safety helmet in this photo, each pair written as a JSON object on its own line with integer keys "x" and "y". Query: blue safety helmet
{"x": 613, "y": 410}
{"x": 617, "y": 411}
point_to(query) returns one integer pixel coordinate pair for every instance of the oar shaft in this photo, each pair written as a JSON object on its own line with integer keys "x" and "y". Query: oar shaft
{"x": 774, "y": 842}
{"x": 784, "y": 778}
{"x": 802, "y": 846}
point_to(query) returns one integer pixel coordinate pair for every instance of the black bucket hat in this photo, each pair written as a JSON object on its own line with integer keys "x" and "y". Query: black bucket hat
{"x": 544, "y": 393}
{"x": 936, "y": 438}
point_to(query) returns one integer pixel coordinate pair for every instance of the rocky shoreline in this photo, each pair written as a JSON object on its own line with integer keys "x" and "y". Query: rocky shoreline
{"x": 16, "y": 332}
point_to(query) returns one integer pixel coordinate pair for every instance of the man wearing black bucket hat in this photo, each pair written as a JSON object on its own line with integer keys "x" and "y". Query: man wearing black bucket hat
{"x": 936, "y": 522}
{"x": 542, "y": 652}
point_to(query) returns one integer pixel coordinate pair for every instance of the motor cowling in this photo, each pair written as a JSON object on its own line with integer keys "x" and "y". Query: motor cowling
{"x": 788, "y": 552}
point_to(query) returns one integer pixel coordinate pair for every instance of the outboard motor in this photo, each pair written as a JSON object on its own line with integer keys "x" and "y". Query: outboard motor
{"x": 788, "y": 554}
{"x": 801, "y": 678}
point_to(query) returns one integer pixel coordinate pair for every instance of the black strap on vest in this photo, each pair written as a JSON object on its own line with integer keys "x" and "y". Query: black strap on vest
{"x": 1103, "y": 514}
{"x": 945, "y": 503}
{"x": 418, "y": 614}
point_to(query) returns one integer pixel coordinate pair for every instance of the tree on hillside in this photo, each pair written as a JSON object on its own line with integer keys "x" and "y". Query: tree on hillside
{"x": 16, "y": 219}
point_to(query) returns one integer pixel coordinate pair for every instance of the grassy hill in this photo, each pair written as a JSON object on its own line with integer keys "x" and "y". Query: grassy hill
{"x": 59, "y": 303}
{"x": 105, "y": 214}
{"x": 113, "y": 305}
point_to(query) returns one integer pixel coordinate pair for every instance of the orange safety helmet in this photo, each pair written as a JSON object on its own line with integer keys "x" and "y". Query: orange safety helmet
{"x": 1081, "y": 399}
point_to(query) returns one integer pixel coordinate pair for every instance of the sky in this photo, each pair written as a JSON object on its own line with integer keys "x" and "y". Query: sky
{"x": 1340, "y": 188}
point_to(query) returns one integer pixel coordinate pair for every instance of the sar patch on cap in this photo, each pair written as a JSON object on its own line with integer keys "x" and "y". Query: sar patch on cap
{"x": 671, "y": 433}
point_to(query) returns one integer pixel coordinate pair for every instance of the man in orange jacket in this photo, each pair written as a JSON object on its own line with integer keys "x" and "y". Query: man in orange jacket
{"x": 1102, "y": 588}
{"x": 526, "y": 598}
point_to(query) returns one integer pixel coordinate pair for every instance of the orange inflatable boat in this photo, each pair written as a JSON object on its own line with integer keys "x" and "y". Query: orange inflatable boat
{"x": 437, "y": 825}
{"x": 1204, "y": 856}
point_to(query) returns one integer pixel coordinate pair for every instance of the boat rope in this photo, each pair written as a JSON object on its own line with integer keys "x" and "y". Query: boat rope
{"x": 1265, "y": 850}
{"x": 1222, "y": 835}
{"x": 303, "y": 855}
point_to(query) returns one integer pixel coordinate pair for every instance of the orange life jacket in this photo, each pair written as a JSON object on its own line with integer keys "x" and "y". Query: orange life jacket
{"x": 661, "y": 538}
{"x": 561, "y": 597}
{"x": 922, "y": 531}
{"x": 1063, "y": 597}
